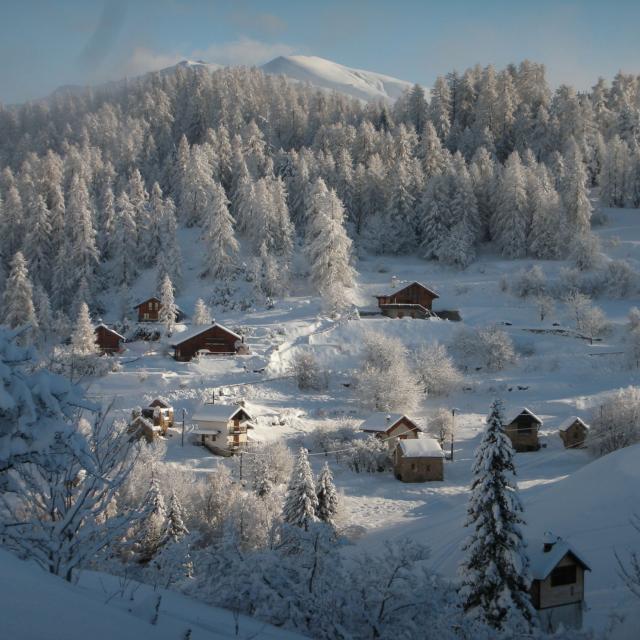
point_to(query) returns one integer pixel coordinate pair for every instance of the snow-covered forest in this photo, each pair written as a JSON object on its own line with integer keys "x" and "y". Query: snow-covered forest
{"x": 95, "y": 184}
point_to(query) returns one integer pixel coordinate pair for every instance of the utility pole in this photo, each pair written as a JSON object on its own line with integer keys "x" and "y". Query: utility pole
{"x": 183, "y": 415}
{"x": 453, "y": 428}
{"x": 241, "y": 467}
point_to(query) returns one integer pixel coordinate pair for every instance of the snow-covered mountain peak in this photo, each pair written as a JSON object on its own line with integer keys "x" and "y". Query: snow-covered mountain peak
{"x": 319, "y": 72}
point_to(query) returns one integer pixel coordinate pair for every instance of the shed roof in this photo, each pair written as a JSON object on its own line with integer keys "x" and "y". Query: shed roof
{"x": 527, "y": 411}
{"x": 196, "y": 331}
{"x": 382, "y": 421}
{"x": 406, "y": 286}
{"x": 423, "y": 447}
{"x": 217, "y": 412}
{"x": 569, "y": 422}
{"x": 109, "y": 329}
{"x": 542, "y": 562}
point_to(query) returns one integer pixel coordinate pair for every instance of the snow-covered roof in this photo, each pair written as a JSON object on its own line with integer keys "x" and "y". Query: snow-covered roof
{"x": 135, "y": 306}
{"x": 569, "y": 421}
{"x": 422, "y": 447}
{"x": 382, "y": 421}
{"x": 203, "y": 431}
{"x": 217, "y": 412}
{"x": 110, "y": 330}
{"x": 143, "y": 422}
{"x": 525, "y": 410}
{"x": 431, "y": 291}
{"x": 196, "y": 331}
{"x": 542, "y": 562}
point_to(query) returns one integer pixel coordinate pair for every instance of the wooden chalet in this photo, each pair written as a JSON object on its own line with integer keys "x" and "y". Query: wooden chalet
{"x": 523, "y": 431}
{"x": 413, "y": 301}
{"x": 149, "y": 310}
{"x": 214, "y": 339}
{"x": 108, "y": 340}
{"x": 222, "y": 428}
{"x": 141, "y": 427}
{"x": 390, "y": 427}
{"x": 418, "y": 460}
{"x": 574, "y": 432}
{"x": 557, "y": 589}
{"x": 160, "y": 413}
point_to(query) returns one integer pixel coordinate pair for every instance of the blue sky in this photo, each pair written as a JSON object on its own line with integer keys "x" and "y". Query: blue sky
{"x": 45, "y": 44}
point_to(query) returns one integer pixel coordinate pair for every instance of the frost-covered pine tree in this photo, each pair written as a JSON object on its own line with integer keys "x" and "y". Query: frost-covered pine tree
{"x": 38, "y": 241}
{"x": 83, "y": 338}
{"x": 176, "y": 529}
{"x": 328, "y": 247}
{"x": 509, "y": 225}
{"x": 17, "y": 301}
{"x": 153, "y": 534}
{"x": 169, "y": 258}
{"x": 327, "y": 496}
{"x": 124, "y": 247}
{"x": 495, "y": 572}
{"x": 220, "y": 238}
{"x": 201, "y": 314}
{"x": 575, "y": 193}
{"x": 168, "y": 309}
{"x": 301, "y": 501}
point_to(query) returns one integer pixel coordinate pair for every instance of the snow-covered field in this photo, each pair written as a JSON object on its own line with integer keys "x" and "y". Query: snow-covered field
{"x": 585, "y": 501}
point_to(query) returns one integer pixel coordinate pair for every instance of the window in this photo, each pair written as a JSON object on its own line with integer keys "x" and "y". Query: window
{"x": 563, "y": 575}
{"x": 413, "y": 466}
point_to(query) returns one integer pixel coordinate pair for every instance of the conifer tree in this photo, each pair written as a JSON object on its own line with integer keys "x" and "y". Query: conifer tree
{"x": 201, "y": 314}
{"x": 301, "y": 501}
{"x": 17, "y": 302}
{"x": 327, "y": 496}
{"x": 176, "y": 529}
{"x": 168, "y": 309}
{"x": 83, "y": 338}
{"x": 222, "y": 246}
{"x": 124, "y": 246}
{"x": 169, "y": 257}
{"x": 37, "y": 244}
{"x": 495, "y": 573}
{"x": 575, "y": 193}
{"x": 153, "y": 534}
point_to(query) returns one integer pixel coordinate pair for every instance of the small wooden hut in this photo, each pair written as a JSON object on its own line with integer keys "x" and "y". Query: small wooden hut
{"x": 413, "y": 301}
{"x": 523, "y": 431}
{"x": 214, "y": 339}
{"x": 108, "y": 340}
{"x": 574, "y": 432}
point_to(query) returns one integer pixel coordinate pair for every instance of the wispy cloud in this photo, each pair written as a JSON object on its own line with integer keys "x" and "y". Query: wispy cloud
{"x": 262, "y": 23}
{"x": 243, "y": 51}
{"x": 104, "y": 36}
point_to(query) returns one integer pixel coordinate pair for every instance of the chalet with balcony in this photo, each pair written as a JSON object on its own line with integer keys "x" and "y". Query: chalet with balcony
{"x": 222, "y": 428}
{"x": 149, "y": 310}
{"x": 557, "y": 589}
{"x": 418, "y": 460}
{"x": 390, "y": 427}
{"x": 574, "y": 432}
{"x": 413, "y": 301}
{"x": 523, "y": 431}
{"x": 160, "y": 414}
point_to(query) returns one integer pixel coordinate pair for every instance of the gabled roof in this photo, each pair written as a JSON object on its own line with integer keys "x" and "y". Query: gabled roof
{"x": 143, "y": 422}
{"x": 527, "y": 411}
{"x": 104, "y": 326}
{"x": 430, "y": 291}
{"x": 382, "y": 421}
{"x": 160, "y": 402}
{"x": 135, "y": 306}
{"x": 196, "y": 331}
{"x": 217, "y": 412}
{"x": 423, "y": 447}
{"x": 542, "y": 562}
{"x": 570, "y": 421}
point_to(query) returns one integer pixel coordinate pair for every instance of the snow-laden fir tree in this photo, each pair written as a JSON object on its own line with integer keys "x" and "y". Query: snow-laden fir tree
{"x": 169, "y": 257}
{"x": 328, "y": 247}
{"x": 301, "y": 501}
{"x": 38, "y": 241}
{"x": 168, "y": 308}
{"x": 176, "y": 529}
{"x": 124, "y": 248}
{"x": 495, "y": 572}
{"x": 17, "y": 301}
{"x": 327, "y": 496}
{"x": 201, "y": 314}
{"x": 153, "y": 533}
{"x": 575, "y": 193}
{"x": 222, "y": 246}
{"x": 83, "y": 338}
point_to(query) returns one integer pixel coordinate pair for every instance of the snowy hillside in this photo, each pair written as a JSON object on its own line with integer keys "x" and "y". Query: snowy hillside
{"x": 365, "y": 85}
{"x": 94, "y": 609}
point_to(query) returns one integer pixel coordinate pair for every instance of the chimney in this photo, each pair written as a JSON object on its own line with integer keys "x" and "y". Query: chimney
{"x": 388, "y": 418}
{"x": 548, "y": 540}
{"x": 242, "y": 339}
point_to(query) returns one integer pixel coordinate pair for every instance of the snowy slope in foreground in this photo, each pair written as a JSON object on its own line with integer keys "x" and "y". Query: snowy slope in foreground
{"x": 365, "y": 85}
{"x": 35, "y": 605}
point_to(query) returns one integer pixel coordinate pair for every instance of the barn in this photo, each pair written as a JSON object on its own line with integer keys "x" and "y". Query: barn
{"x": 215, "y": 339}
{"x": 573, "y": 432}
{"x": 390, "y": 427}
{"x": 523, "y": 431}
{"x": 557, "y": 588}
{"x": 418, "y": 460}
{"x": 149, "y": 310}
{"x": 413, "y": 301}
{"x": 108, "y": 340}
